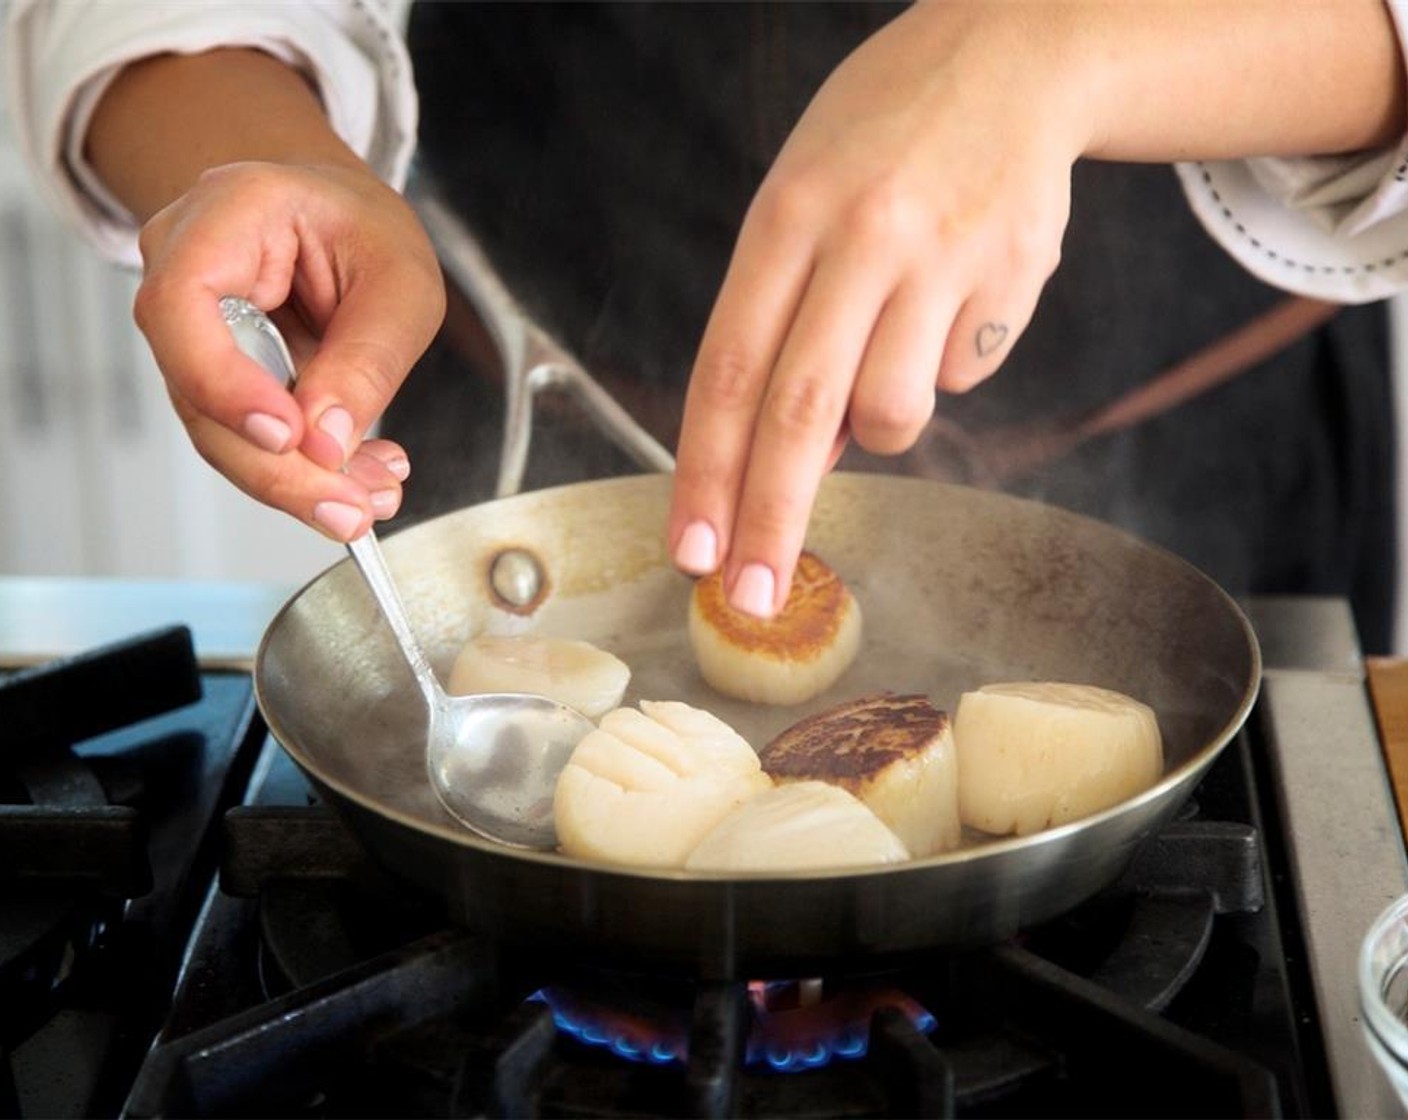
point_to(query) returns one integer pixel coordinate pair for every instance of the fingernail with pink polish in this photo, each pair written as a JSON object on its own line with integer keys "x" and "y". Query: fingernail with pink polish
{"x": 337, "y": 422}
{"x": 753, "y": 591}
{"x": 338, "y": 518}
{"x": 266, "y": 432}
{"x": 698, "y": 549}
{"x": 385, "y": 502}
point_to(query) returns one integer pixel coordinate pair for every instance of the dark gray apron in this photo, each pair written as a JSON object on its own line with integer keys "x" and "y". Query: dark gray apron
{"x": 605, "y": 155}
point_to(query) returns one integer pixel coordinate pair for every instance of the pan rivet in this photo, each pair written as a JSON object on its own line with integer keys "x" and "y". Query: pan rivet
{"x": 516, "y": 577}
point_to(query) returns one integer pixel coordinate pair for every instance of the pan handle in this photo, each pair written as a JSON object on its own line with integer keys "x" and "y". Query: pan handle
{"x": 533, "y": 360}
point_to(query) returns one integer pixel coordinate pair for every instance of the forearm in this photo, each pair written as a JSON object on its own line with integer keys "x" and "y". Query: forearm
{"x": 1227, "y": 79}
{"x": 165, "y": 120}
{"x": 1170, "y": 80}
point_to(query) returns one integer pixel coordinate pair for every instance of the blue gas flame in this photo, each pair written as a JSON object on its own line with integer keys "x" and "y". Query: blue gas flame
{"x": 586, "y": 1029}
{"x": 849, "y": 1044}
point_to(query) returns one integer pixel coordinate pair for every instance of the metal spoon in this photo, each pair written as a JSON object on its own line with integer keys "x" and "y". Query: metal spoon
{"x": 493, "y": 758}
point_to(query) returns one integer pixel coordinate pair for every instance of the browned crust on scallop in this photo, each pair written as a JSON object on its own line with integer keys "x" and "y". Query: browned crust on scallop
{"x": 803, "y": 630}
{"x": 853, "y": 742}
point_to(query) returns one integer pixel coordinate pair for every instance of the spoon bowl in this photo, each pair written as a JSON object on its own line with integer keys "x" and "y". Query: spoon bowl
{"x": 492, "y": 758}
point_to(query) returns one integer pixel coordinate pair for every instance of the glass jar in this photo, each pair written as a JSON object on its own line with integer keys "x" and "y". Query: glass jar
{"x": 1383, "y": 992}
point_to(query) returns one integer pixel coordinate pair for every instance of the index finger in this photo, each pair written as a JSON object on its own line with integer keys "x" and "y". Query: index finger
{"x": 797, "y": 426}
{"x": 761, "y": 288}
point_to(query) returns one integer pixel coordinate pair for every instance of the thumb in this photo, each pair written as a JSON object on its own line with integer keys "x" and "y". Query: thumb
{"x": 369, "y": 346}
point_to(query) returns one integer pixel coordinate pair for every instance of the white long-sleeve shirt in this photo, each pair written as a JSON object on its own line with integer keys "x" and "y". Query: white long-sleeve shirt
{"x": 1335, "y": 227}
{"x": 60, "y": 56}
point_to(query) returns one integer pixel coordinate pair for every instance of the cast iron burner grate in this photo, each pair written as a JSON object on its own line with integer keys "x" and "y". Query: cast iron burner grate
{"x": 111, "y": 766}
{"x": 1138, "y": 1002}
{"x": 444, "y": 1023}
{"x": 59, "y": 818}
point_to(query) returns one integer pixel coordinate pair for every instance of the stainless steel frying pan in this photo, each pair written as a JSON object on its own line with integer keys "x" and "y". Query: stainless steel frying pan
{"x": 958, "y": 587}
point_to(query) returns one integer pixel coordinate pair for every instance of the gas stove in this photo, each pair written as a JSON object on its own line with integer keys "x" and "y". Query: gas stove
{"x": 186, "y": 929}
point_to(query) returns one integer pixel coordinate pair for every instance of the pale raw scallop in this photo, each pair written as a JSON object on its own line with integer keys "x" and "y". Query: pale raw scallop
{"x": 799, "y": 826}
{"x": 1036, "y": 754}
{"x": 783, "y": 660}
{"x": 645, "y": 786}
{"x": 895, "y": 753}
{"x": 572, "y": 672}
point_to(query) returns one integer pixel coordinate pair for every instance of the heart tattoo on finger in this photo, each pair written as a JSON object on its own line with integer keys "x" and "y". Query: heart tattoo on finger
{"x": 990, "y": 337}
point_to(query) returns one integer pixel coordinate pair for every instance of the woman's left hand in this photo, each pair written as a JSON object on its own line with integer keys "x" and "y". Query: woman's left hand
{"x": 899, "y": 243}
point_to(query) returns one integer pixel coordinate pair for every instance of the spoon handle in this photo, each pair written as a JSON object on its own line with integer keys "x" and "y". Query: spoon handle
{"x": 258, "y": 338}
{"x": 367, "y": 553}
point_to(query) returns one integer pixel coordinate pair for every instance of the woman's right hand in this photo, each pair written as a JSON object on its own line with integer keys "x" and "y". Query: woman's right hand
{"x": 241, "y": 187}
{"x": 341, "y": 263}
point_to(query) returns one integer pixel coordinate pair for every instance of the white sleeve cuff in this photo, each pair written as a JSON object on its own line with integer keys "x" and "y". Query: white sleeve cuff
{"x": 1293, "y": 249}
{"x": 1332, "y": 227}
{"x": 61, "y": 55}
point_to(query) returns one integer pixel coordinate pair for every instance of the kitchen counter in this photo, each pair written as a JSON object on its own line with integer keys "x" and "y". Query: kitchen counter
{"x": 1388, "y": 686}
{"x": 42, "y": 618}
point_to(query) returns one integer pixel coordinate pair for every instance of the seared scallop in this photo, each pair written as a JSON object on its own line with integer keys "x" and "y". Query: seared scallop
{"x": 1036, "y": 754}
{"x": 801, "y": 826}
{"x": 784, "y": 660}
{"x": 646, "y": 785}
{"x": 895, "y": 753}
{"x": 575, "y": 673}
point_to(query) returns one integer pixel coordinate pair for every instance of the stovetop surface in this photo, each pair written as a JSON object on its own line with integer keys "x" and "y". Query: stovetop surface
{"x": 304, "y": 980}
{"x": 1207, "y": 960}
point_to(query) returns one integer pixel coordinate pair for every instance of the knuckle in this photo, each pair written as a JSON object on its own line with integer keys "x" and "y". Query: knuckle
{"x": 369, "y": 365}
{"x": 889, "y": 425}
{"x": 148, "y": 239}
{"x": 426, "y": 278}
{"x": 237, "y": 175}
{"x": 151, "y": 301}
{"x": 787, "y": 200}
{"x": 725, "y": 377}
{"x": 1032, "y": 250}
{"x": 433, "y": 289}
{"x": 884, "y": 213}
{"x": 277, "y": 482}
{"x": 222, "y": 173}
{"x": 802, "y": 404}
